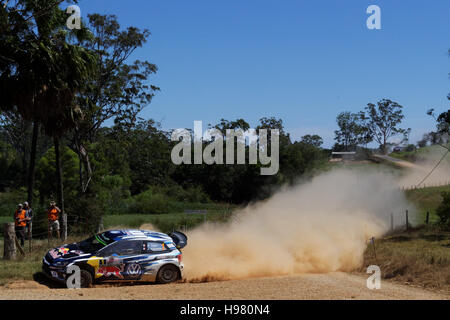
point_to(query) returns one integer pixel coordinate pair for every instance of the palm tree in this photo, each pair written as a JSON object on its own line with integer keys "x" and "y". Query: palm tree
{"x": 42, "y": 73}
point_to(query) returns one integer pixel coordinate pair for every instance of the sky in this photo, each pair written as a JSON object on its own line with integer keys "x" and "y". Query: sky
{"x": 301, "y": 61}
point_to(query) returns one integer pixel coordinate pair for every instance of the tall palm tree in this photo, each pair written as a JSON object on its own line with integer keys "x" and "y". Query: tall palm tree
{"x": 42, "y": 71}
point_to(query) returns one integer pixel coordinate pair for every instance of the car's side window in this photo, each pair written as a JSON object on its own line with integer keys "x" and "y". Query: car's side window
{"x": 122, "y": 248}
{"x": 155, "y": 246}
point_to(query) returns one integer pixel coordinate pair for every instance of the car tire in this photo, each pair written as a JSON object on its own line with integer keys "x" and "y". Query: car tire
{"x": 167, "y": 274}
{"x": 86, "y": 279}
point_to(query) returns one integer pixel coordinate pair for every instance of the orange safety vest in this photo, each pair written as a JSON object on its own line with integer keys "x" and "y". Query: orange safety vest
{"x": 53, "y": 214}
{"x": 19, "y": 215}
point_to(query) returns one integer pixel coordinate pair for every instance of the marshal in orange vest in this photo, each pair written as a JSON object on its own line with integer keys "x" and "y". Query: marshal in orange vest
{"x": 20, "y": 214}
{"x": 53, "y": 214}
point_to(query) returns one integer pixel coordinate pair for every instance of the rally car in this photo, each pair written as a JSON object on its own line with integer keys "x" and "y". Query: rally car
{"x": 136, "y": 255}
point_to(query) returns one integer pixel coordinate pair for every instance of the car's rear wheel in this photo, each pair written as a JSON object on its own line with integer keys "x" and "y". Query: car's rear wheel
{"x": 168, "y": 273}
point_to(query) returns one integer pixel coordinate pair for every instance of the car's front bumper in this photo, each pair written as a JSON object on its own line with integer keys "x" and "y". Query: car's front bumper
{"x": 54, "y": 273}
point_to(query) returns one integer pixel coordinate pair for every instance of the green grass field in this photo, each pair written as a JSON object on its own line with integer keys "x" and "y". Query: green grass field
{"x": 426, "y": 199}
{"x": 420, "y": 154}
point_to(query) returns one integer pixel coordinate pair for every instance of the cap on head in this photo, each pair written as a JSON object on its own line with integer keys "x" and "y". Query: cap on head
{"x": 25, "y": 204}
{"x": 20, "y": 205}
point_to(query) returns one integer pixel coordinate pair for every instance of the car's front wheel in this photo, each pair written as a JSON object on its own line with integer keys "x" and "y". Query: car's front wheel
{"x": 85, "y": 280}
{"x": 168, "y": 273}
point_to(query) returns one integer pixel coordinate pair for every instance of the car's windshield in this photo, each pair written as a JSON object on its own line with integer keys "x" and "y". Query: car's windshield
{"x": 94, "y": 243}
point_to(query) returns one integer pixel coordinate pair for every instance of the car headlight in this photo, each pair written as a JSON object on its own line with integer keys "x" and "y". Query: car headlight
{"x": 60, "y": 263}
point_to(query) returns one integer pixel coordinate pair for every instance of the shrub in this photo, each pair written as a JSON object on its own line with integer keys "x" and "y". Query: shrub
{"x": 149, "y": 202}
{"x": 443, "y": 211}
{"x": 84, "y": 214}
{"x": 113, "y": 192}
{"x": 10, "y": 200}
{"x": 177, "y": 193}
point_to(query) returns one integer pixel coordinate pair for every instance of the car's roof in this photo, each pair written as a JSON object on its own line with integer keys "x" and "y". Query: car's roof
{"x": 133, "y": 234}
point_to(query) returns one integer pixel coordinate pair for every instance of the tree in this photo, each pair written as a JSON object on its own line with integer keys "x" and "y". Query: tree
{"x": 117, "y": 90}
{"x": 443, "y": 122}
{"x": 16, "y": 131}
{"x": 442, "y": 134}
{"x": 443, "y": 211}
{"x": 351, "y": 131}
{"x": 46, "y": 173}
{"x": 47, "y": 71}
{"x": 382, "y": 121}
{"x": 314, "y": 140}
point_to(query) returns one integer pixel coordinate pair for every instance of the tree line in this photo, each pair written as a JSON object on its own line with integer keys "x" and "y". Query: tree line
{"x": 379, "y": 123}
{"x": 58, "y": 89}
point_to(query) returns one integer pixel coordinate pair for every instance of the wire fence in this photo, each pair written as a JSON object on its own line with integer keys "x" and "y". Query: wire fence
{"x": 443, "y": 183}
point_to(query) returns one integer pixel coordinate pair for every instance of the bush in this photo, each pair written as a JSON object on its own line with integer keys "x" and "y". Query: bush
{"x": 10, "y": 200}
{"x": 410, "y": 148}
{"x": 149, "y": 202}
{"x": 84, "y": 214}
{"x": 40, "y": 222}
{"x": 443, "y": 211}
{"x": 113, "y": 192}
{"x": 177, "y": 193}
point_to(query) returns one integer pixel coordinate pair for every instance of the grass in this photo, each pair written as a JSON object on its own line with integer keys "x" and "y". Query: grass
{"x": 419, "y": 154}
{"x": 426, "y": 199}
{"x": 421, "y": 257}
{"x": 25, "y": 268}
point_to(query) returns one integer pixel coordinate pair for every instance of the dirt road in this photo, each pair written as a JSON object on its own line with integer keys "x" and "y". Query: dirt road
{"x": 398, "y": 162}
{"x": 304, "y": 286}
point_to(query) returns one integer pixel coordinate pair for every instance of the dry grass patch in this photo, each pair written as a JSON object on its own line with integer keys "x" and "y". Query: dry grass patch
{"x": 418, "y": 258}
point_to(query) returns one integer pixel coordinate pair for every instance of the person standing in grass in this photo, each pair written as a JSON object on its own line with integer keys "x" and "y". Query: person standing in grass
{"x": 20, "y": 221}
{"x": 29, "y": 215}
{"x": 53, "y": 222}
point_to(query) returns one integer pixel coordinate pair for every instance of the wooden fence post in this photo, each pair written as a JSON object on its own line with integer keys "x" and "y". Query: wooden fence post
{"x": 427, "y": 220}
{"x": 18, "y": 246}
{"x": 392, "y": 221}
{"x": 9, "y": 236}
{"x": 407, "y": 221}
{"x": 100, "y": 227}
{"x": 64, "y": 226}
{"x": 30, "y": 231}
{"x": 372, "y": 240}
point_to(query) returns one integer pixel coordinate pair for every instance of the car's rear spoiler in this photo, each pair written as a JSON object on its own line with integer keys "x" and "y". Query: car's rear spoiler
{"x": 179, "y": 238}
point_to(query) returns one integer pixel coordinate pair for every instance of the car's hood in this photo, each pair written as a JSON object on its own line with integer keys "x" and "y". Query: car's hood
{"x": 66, "y": 251}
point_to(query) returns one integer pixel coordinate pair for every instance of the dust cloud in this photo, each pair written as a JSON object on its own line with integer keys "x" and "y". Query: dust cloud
{"x": 316, "y": 227}
{"x": 423, "y": 166}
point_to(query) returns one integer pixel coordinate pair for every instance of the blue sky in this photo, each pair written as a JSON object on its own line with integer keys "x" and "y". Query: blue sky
{"x": 302, "y": 61}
